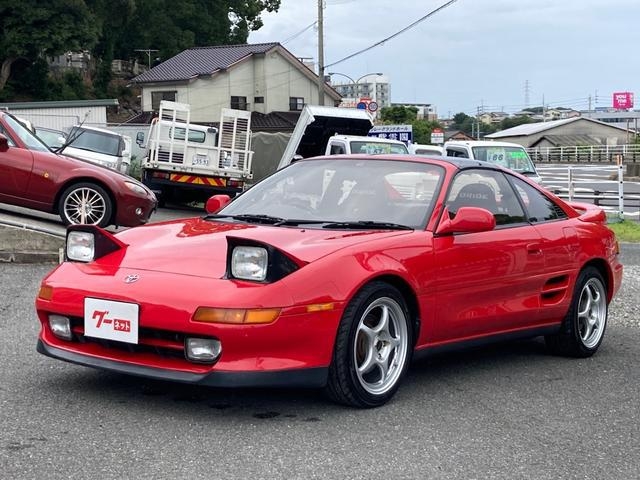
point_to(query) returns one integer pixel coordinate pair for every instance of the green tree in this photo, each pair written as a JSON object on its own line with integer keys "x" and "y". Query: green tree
{"x": 33, "y": 29}
{"x": 511, "y": 122}
{"x": 398, "y": 115}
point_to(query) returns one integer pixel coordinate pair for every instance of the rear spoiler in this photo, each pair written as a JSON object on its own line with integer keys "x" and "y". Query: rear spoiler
{"x": 588, "y": 212}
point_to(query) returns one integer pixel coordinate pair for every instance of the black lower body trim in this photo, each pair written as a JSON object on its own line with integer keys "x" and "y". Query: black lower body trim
{"x": 311, "y": 377}
{"x": 483, "y": 341}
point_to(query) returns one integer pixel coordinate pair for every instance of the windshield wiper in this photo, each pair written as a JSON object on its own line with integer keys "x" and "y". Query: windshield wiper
{"x": 249, "y": 217}
{"x": 367, "y": 224}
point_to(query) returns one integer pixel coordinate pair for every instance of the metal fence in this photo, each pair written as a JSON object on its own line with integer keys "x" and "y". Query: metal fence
{"x": 603, "y": 185}
{"x": 586, "y": 154}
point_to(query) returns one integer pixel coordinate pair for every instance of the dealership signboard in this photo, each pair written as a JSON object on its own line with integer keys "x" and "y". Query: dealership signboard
{"x": 622, "y": 100}
{"x": 404, "y": 133}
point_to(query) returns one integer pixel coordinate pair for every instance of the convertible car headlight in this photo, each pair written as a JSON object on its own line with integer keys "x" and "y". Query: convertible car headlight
{"x": 249, "y": 263}
{"x": 134, "y": 187}
{"x": 81, "y": 246}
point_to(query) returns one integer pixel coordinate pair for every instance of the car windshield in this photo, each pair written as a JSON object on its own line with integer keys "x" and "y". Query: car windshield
{"x": 514, "y": 158}
{"x": 29, "y": 139}
{"x": 375, "y": 148}
{"x": 94, "y": 141}
{"x": 340, "y": 192}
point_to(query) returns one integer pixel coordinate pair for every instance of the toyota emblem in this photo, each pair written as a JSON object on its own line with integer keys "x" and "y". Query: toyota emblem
{"x": 132, "y": 278}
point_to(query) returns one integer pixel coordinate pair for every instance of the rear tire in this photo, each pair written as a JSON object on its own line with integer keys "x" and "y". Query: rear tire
{"x": 583, "y": 327}
{"x": 373, "y": 348}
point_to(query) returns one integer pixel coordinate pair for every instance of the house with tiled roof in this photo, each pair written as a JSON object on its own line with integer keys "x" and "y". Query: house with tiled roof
{"x": 265, "y": 79}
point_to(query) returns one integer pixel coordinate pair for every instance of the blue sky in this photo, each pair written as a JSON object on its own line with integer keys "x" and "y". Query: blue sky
{"x": 489, "y": 54}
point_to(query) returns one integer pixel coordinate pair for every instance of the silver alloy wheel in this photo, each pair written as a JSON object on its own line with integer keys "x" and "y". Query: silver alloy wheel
{"x": 381, "y": 345}
{"x": 592, "y": 313}
{"x": 85, "y": 205}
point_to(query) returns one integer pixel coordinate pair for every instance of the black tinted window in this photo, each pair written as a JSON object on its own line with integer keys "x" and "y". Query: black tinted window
{"x": 539, "y": 207}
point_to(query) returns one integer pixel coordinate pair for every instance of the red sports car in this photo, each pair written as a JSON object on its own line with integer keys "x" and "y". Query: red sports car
{"x": 334, "y": 272}
{"x": 32, "y": 176}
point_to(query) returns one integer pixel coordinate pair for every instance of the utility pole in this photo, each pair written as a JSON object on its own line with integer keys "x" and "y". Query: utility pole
{"x": 148, "y": 51}
{"x": 320, "y": 55}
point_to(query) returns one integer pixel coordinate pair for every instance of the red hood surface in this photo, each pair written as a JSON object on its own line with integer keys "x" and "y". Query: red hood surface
{"x": 198, "y": 247}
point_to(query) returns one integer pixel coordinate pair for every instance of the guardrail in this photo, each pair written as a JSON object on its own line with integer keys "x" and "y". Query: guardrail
{"x": 602, "y": 185}
{"x": 586, "y": 154}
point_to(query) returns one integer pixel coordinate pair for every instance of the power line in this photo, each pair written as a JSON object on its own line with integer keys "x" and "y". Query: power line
{"x": 313, "y": 24}
{"x": 381, "y": 42}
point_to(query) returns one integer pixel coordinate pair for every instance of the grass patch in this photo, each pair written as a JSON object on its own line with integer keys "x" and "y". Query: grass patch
{"x": 626, "y": 231}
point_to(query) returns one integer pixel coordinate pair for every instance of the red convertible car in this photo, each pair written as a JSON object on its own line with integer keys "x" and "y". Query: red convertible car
{"x": 335, "y": 272}
{"x": 32, "y": 176}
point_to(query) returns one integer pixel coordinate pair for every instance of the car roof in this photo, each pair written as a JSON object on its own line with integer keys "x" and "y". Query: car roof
{"x": 457, "y": 162}
{"x": 95, "y": 129}
{"x": 368, "y": 139}
{"x": 482, "y": 143}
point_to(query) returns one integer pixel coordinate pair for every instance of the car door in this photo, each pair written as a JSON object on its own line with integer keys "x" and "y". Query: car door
{"x": 487, "y": 282}
{"x": 559, "y": 245}
{"x": 16, "y": 166}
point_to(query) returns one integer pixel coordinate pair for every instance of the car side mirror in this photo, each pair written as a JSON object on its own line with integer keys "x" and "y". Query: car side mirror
{"x": 467, "y": 220}
{"x": 4, "y": 143}
{"x": 215, "y": 203}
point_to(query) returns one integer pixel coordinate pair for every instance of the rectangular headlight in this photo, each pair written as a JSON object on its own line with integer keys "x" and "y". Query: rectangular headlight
{"x": 249, "y": 263}
{"x": 81, "y": 246}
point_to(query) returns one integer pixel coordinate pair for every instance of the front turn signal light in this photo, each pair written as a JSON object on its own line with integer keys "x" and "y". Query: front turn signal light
{"x": 236, "y": 316}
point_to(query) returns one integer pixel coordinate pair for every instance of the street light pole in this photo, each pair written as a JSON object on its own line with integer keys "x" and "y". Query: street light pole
{"x": 355, "y": 82}
{"x": 320, "y": 55}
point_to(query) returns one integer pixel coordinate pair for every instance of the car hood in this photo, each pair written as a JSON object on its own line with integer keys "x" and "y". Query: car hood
{"x": 198, "y": 247}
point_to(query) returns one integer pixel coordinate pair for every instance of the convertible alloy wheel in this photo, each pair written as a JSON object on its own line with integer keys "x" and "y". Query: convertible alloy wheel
{"x": 85, "y": 203}
{"x": 583, "y": 327}
{"x": 373, "y": 348}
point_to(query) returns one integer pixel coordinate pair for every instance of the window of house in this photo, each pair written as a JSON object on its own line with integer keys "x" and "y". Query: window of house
{"x": 296, "y": 103}
{"x": 239, "y": 103}
{"x": 258, "y": 99}
{"x": 156, "y": 97}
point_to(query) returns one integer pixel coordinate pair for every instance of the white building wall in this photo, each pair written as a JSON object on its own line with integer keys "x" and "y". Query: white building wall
{"x": 271, "y": 76}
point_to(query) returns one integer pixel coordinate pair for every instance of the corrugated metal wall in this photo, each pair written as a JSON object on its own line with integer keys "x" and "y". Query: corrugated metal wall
{"x": 62, "y": 118}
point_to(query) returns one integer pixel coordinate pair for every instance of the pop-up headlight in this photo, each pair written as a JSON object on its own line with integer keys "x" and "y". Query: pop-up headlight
{"x": 81, "y": 246}
{"x": 249, "y": 263}
{"x": 257, "y": 261}
{"x": 86, "y": 243}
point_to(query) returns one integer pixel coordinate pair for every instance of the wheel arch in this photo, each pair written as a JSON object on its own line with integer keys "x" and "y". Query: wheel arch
{"x": 409, "y": 296}
{"x": 603, "y": 267}
{"x": 95, "y": 181}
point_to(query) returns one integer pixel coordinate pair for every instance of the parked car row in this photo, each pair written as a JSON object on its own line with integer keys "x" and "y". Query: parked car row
{"x": 80, "y": 191}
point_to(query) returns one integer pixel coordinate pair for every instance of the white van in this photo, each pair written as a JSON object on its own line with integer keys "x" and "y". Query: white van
{"x": 101, "y": 146}
{"x": 509, "y": 155}
{"x": 426, "y": 150}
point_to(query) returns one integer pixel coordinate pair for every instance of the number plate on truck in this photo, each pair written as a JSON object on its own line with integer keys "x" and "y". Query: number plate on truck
{"x": 200, "y": 160}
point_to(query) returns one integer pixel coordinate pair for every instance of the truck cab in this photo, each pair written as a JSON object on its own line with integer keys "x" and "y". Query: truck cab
{"x": 509, "y": 155}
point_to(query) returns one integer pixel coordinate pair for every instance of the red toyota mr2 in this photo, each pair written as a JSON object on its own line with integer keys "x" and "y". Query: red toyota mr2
{"x": 334, "y": 273}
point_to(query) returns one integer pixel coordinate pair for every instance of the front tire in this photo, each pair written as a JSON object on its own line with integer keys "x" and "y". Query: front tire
{"x": 373, "y": 348}
{"x": 583, "y": 328}
{"x": 85, "y": 204}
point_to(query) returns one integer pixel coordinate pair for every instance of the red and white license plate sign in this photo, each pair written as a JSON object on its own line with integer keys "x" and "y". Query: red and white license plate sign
{"x": 111, "y": 320}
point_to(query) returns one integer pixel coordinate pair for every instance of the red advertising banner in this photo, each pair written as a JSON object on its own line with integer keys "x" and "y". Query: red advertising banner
{"x": 622, "y": 100}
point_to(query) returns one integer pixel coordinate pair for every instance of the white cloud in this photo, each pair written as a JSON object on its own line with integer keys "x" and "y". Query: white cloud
{"x": 475, "y": 52}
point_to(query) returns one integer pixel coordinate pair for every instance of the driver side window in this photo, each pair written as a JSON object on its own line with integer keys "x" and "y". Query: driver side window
{"x": 486, "y": 189}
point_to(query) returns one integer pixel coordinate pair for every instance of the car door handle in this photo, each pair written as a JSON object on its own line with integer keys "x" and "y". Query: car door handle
{"x": 534, "y": 249}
